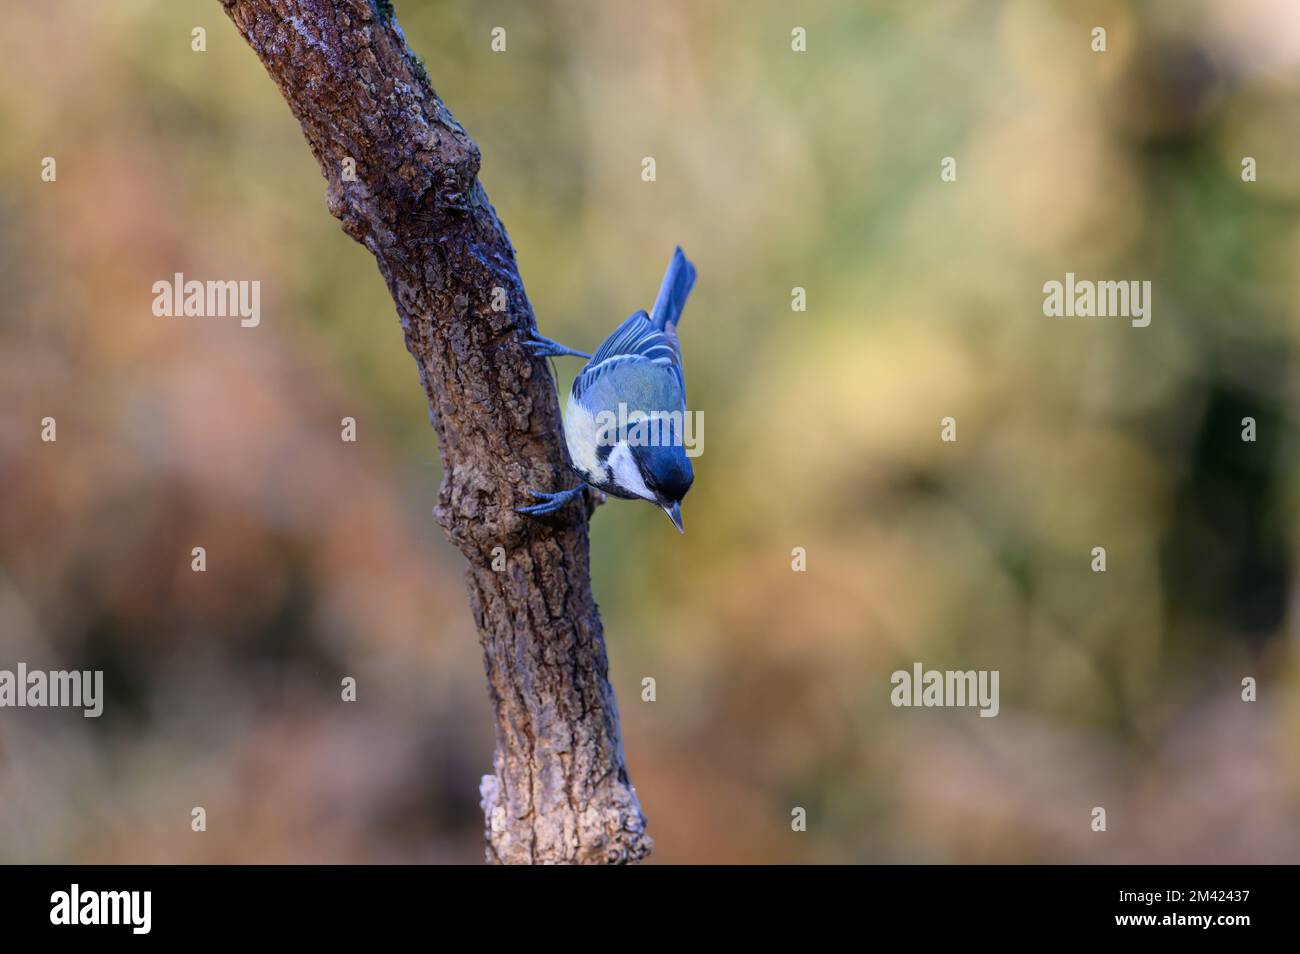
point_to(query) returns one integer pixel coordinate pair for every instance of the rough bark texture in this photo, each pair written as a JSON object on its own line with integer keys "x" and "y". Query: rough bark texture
{"x": 560, "y": 790}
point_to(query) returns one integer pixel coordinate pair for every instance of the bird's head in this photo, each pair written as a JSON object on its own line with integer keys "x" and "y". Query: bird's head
{"x": 667, "y": 474}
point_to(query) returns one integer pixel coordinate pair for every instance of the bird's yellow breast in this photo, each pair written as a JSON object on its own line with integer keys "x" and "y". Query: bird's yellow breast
{"x": 582, "y": 436}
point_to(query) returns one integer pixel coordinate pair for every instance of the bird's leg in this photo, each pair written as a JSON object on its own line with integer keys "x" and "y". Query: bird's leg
{"x": 540, "y": 347}
{"x": 550, "y": 502}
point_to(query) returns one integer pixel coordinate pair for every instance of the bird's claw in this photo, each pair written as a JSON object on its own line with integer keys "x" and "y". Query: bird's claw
{"x": 538, "y": 349}
{"x": 550, "y": 501}
{"x": 541, "y": 347}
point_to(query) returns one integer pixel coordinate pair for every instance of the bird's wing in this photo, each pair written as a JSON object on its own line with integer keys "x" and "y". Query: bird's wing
{"x": 638, "y": 335}
{"x": 636, "y": 340}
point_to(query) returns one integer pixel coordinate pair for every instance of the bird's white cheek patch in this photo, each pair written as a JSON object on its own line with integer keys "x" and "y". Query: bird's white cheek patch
{"x": 626, "y": 473}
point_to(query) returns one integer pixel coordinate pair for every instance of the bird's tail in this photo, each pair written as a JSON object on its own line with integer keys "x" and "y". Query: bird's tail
{"x": 677, "y": 283}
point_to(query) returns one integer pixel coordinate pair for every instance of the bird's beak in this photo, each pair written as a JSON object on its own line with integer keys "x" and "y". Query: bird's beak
{"x": 674, "y": 512}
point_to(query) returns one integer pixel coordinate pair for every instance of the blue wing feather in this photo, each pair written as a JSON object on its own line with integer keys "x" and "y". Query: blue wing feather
{"x": 643, "y": 353}
{"x": 639, "y": 336}
{"x": 635, "y": 341}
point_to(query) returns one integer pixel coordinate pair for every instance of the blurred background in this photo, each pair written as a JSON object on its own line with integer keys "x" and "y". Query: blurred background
{"x": 775, "y": 169}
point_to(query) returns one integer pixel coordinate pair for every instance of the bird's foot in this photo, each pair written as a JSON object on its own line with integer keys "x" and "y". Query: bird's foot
{"x": 550, "y": 502}
{"x": 540, "y": 347}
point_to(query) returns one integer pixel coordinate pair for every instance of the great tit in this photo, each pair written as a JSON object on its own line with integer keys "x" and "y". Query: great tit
{"x": 624, "y": 424}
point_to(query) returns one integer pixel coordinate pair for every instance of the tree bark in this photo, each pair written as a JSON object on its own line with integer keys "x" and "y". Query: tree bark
{"x": 560, "y": 790}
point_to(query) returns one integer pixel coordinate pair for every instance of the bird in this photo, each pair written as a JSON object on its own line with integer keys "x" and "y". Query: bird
{"x": 624, "y": 420}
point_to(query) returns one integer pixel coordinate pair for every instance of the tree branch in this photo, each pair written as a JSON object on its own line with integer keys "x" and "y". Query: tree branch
{"x": 560, "y": 790}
